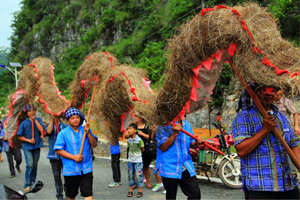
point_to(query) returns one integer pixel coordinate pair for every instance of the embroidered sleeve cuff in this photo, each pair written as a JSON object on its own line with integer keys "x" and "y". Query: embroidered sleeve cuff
{"x": 240, "y": 139}
{"x": 294, "y": 142}
{"x": 58, "y": 148}
{"x": 163, "y": 140}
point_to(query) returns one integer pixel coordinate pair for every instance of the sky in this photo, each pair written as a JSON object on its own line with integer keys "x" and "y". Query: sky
{"x": 7, "y": 8}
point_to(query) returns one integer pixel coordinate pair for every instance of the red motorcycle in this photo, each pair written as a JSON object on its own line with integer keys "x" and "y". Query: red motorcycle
{"x": 214, "y": 159}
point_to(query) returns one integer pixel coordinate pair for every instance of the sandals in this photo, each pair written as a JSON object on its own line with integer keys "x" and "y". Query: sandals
{"x": 139, "y": 194}
{"x": 129, "y": 194}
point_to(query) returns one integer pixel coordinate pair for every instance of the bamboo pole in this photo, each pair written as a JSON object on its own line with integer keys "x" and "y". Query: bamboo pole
{"x": 265, "y": 115}
{"x": 87, "y": 119}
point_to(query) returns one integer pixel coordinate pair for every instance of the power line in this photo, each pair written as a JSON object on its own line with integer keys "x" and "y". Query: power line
{"x": 171, "y": 23}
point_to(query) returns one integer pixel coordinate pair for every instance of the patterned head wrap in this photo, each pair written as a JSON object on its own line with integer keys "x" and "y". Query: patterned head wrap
{"x": 245, "y": 100}
{"x": 74, "y": 111}
{"x": 28, "y": 107}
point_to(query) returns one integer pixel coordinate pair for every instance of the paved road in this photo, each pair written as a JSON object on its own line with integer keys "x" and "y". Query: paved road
{"x": 102, "y": 177}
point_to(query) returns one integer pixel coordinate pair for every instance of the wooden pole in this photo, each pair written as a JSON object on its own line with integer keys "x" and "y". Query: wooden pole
{"x": 205, "y": 143}
{"x": 88, "y": 119}
{"x": 209, "y": 111}
{"x": 32, "y": 122}
{"x": 56, "y": 125}
{"x": 265, "y": 115}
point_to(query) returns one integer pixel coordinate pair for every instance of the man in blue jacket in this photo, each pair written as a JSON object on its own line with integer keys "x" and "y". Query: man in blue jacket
{"x": 32, "y": 143}
{"x": 174, "y": 162}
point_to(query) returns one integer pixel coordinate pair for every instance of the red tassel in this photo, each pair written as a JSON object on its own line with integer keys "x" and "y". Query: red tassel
{"x": 187, "y": 106}
{"x": 281, "y": 71}
{"x": 231, "y": 49}
{"x": 196, "y": 70}
{"x": 235, "y": 12}
{"x": 206, "y": 10}
{"x": 295, "y": 74}
{"x": 195, "y": 82}
{"x": 207, "y": 63}
{"x": 218, "y": 55}
{"x": 134, "y": 98}
{"x": 221, "y": 6}
{"x": 194, "y": 94}
{"x": 182, "y": 113}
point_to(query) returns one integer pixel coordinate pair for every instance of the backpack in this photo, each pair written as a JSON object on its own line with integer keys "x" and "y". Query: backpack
{"x": 151, "y": 148}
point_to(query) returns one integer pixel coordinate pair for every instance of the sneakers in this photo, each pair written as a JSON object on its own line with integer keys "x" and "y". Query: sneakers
{"x": 113, "y": 184}
{"x": 12, "y": 176}
{"x": 27, "y": 189}
{"x": 165, "y": 192}
{"x": 158, "y": 187}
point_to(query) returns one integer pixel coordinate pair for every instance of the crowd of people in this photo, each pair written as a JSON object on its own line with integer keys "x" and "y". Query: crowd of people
{"x": 267, "y": 171}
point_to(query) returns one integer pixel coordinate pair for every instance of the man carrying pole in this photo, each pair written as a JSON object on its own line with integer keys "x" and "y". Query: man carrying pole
{"x": 265, "y": 167}
{"x": 30, "y": 132}
{"x": 174, "y": 161}
{"x": 77, "y": 167}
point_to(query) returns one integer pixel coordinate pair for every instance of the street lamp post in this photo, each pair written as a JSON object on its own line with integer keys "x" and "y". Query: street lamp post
{"x": 14, "y": 71}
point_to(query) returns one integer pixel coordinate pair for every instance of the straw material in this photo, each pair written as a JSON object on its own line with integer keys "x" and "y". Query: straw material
{"x": 116, "y": 86}
{"x": 97, "y": 64}
{"x": 27, "y": 81}
{"x": 280, "y": 52}
{"x": 37, "y": 80}
{"x": 47, "y": 90}
{"x": 115, "y": 97}
{"x": 216, "y": 30}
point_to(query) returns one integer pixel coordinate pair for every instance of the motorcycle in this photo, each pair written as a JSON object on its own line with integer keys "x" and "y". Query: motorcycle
{"x": 214, "y": 163}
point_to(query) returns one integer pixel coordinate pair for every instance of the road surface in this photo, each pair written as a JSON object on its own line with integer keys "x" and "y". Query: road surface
{"x": 103, "y": 177}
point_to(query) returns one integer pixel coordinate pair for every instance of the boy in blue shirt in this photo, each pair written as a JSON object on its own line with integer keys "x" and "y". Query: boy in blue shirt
{"x": 77, "y": 168}
{"x": 135, "y": 160}
{"x": 32, "y": 143}
{"x": 54, "y": 158}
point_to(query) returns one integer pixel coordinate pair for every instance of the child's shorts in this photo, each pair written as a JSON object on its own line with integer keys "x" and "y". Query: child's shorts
{"x": 84, "y": 181}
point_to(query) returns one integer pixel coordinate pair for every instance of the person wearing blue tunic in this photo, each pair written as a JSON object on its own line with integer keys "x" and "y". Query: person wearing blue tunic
{"x": 115, "y": 153}
{"x": 174, "y": 162}
{"x": 77, "y": 168}
{"x": 32, "y": 143}
{"x": 54, "y": 158}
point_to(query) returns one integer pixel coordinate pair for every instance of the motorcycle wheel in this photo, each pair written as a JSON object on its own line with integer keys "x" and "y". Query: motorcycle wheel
{"x": 230, "y": 177}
